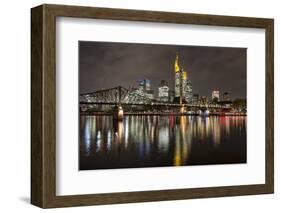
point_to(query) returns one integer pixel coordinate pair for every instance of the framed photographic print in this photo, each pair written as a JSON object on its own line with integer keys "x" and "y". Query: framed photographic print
{"x": 136, "y": 106}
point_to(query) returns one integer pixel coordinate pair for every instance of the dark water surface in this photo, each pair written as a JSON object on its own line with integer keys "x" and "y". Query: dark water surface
{"x": 156, "y": 141}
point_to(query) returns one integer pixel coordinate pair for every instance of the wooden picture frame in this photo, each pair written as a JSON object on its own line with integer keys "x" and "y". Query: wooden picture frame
{"x": 43, "y": 105}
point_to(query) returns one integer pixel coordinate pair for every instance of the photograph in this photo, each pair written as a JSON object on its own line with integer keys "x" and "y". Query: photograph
{"x": 161, "y": 105}
{"x": 139, "y": 105}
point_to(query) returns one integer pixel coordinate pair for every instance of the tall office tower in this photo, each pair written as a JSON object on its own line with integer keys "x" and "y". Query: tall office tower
{"x": 163, "y": 91}
{"x": 183, "y": 86}
{"x": 144, "y": 85}
{"x": 150, "y": 94}
{"x": 216, "y": 95}
{"x": 226, "y": 96}
{"x": 188, "y": 93}
{"x": 177, "y": 77}
{"x": 195, "y": 99}
{"x": 171, "y": 95}
{"x": 141, "y": 86}
{"x": 147, "y": 84}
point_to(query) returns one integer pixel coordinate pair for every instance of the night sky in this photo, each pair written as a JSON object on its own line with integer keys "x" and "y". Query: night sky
{"x": 106, "y": 64}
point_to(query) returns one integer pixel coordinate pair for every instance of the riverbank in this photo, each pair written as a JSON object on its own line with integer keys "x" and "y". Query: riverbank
{"x": 166, "y": 114}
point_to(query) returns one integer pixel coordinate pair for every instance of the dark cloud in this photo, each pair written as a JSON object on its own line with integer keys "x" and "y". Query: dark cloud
{"x": 106, "y": 65}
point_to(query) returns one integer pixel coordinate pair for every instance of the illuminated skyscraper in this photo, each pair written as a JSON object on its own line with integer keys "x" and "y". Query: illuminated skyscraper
{"x": 216, "y": 95}
{"x": 144, "y": 88}
{"x": 188, "y": 93}
{"x": 184, "y": 83}
{"x": 163, "y": 91}
{"x": 177, "y": 77}
{"x": 150, "y": 94}
{"x": 183, "y": 86}
{"x": 195, "y": 98}
{"x": 147, "y": 84}
{"x": 171, "y": 95}
{"x": 141, "y": 86}
{"x": 144, "y": 85}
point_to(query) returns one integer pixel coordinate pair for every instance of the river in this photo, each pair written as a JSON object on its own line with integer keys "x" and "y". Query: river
{"x": 157, "y": 141}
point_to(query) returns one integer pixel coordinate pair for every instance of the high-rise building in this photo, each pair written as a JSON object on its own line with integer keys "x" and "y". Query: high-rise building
{"x": 195, "y": 98}
{"x": 184, "y": 81}
{"x": 171, "y": 95}
{"x": 141, "y": 86}
{"x": 144, "y": 85}
{"x": 183, "y": 86}
{"x": 203, "y": 100}
{"x": 226, "y": 96}
{"x": 178, "y": 77}
{"x": 163, "y": 91}
{"x": 188, "y": 93}
{"x": 144, "y": 88}
{"x": 147, "y": 84}
{"x": 150, "y": 94}
{"x": 163, "y": 83}
{"x": 216, "y": 95}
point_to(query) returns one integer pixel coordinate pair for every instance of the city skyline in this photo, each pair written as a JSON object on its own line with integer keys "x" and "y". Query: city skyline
{"x": 148, "y": 105}
{"x": 209, "y": 68}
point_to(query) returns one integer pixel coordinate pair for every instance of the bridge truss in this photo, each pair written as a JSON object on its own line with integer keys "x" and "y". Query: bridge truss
{"x": 132, "y": 97}
{"x": 116, "y": 95}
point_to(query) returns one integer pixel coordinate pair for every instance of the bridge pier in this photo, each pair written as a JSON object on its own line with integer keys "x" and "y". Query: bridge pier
{"x": 118, "y": 113}
{"x": 181, "y": 109}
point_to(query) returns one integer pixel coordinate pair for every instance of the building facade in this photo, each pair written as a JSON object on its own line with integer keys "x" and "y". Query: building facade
{"x": 203, "y": 100}
{"x": 144, "y": 87}
{"x": 226, "y": 96}
{"x": 150, "y": 94}
{"x": 183, "y": 86}
{"x": 195, "y": 99}
{"x": 163, "y": 91}
{"x": 188, "y": 93}
{"x": 171, "y": 95}
{"x": 215, "y": 95}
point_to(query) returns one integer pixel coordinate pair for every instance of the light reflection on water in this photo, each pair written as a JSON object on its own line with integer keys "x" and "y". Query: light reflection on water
{"x": 155, "y": 141}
